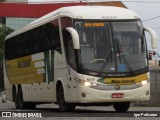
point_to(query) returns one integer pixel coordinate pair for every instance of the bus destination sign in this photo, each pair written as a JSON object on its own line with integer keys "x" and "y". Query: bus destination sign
{"x": 94, "y": 24}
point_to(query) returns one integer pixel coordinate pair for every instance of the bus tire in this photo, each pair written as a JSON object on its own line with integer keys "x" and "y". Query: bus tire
{"x": 22, "y": 104}
{"x": 31, "y": 105}
{"x": 121, "y": 106}
{"x": 16, "y": 101}
{"x": 63, "y": 106}
{"x": 15, "y": 98}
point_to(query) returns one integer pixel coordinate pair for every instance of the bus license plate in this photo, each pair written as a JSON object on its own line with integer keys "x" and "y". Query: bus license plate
{"x": 117, "y": 95}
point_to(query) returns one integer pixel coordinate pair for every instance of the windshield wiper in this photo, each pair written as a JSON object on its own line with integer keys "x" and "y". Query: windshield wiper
{"x": 125, "y": 60}
{"x": 107, "y": 60}
{"x": 104, "y": 65}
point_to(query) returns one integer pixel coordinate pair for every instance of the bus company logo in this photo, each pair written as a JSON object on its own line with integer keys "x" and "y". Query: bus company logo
{"x": 16, "y": 114}
{"x": 6, "y": 114}
{"x": 117, "y": 87}
{"x": 123, "y": 81}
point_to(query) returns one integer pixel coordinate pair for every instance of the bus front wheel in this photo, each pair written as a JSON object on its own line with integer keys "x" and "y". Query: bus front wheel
{"x": 63, "y": 106}
{"x": 121, "y": 106}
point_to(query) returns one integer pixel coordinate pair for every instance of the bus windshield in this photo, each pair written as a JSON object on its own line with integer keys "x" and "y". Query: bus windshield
{"x": 111, "y": 47}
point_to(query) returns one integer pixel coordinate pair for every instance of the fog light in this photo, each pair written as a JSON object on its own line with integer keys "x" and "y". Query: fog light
{"x": 147, "y": 92}
{"x": 83, "y": 94}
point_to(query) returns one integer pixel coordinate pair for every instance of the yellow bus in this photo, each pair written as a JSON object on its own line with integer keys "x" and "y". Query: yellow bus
{"x": 79, "y": 55}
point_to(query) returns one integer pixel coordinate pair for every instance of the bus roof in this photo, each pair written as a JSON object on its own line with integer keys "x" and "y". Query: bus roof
{"x": 81, "y": 12}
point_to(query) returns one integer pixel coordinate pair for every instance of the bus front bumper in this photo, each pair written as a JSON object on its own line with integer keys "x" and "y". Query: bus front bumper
{"x": 90, "y": 95}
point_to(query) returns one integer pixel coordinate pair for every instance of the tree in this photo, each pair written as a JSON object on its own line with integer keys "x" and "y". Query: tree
{"x": 4, "y": 31}
{"x": 2, "y": 0}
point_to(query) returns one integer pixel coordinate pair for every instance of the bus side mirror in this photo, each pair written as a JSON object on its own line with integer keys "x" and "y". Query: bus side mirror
{"x": 153, "y": 37}
{"x": 75, "y": 37}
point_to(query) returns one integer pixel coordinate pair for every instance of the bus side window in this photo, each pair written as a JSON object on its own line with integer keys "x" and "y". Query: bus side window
{"x": 53, "y": 37}
{"x": 68, "y": 43}
{"x": 9, "y": 46}
{"x": 70, "y": 51}
{"x": 40, "y": 39}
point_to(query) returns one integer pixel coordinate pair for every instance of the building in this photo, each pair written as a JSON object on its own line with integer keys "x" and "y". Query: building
{"x": 16, "y": 1}
{"x": 17, "y": 23}
{"x": 22, "y": 14}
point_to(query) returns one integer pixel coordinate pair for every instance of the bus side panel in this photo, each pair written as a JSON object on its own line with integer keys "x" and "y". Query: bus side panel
{"x": 38, "y": 92}
{"x": 32, "y": 74}
{"x": 24, "y": 70}
{"x": 60, "y": 74}
{"x": 43, "y": 91}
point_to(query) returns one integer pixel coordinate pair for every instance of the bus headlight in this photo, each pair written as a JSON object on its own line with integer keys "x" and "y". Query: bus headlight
{"x": 144, "y": 82}
{"x": 87, "y": 83}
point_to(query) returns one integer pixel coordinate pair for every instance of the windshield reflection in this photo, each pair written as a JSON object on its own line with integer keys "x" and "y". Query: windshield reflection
{"x": 111, "y": 47}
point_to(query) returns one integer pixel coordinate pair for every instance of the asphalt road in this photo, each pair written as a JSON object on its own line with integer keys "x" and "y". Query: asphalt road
{"x": 48, "y": 111}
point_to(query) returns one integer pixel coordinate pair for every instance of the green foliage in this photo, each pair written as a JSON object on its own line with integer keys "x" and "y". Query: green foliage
{"x": 2, "y": 0}
{"x": 4, "y": 31}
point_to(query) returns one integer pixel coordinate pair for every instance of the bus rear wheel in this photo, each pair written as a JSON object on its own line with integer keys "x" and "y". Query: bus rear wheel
{"x": 15, "y": 98}
{"x": 22, "y": 104}
{"x": 63, "y": 106}
{"x": 121, "y": 106}
{"x": 16, "y": 101}
{"x": 19, "y": 102}
{"x": 30, "y": 105}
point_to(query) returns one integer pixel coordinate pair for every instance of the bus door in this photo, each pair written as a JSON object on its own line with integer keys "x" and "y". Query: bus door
{"x": 72, "y": 84}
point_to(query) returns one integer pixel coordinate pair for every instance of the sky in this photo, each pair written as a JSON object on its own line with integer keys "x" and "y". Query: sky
{"x": 146, "y": 9}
